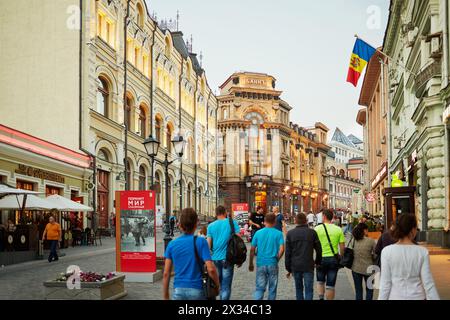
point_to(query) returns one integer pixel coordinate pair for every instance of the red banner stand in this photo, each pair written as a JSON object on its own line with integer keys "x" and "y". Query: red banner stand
{"x": 136, "y": 236}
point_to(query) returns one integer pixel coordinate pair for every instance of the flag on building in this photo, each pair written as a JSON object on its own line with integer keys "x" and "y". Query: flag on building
{"x": 362, "y": 52}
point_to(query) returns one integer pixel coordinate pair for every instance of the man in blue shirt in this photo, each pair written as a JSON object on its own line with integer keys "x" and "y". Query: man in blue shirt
{"x": 180, "y": 252}
{"x": 280, "y": 224}
{"x": 268, "y": 244}
{"x": 218, "y": 234}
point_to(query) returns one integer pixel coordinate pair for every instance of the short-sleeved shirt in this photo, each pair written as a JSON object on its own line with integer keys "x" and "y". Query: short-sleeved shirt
{"x": 258, "y": 219}
{"x": 336, "y": 237}
{"x": 279, "y": 222}
{"x": 267, "y": 242}
{"x": 220, "y": 232}
{"x": 187, "y": 270}
{"x": 53, "y": 231}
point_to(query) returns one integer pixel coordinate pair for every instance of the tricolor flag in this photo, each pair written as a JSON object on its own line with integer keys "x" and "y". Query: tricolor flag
{"x": 362, "y": 52}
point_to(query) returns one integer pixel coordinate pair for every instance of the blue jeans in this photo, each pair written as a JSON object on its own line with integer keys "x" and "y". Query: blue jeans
{"x": 53, "y": 255}
{"x": 327, "y": 272}
{"x": 358, "y": 280}
{"x": 225, "y": 272}
{"x": 266, "y": 275}
{"x": 188, "y": 294}
{"x": 304, "y": 280}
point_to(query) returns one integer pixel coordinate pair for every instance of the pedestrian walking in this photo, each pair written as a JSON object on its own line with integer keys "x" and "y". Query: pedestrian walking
{"x": 332, "y": 241}
{"x": 172, "y": 222}
{"x": 218, "y": 235}
{"x": 349, "y": 220}
{"x": 268, "y": 245}
{"x": 256, "y": 220}
{"x": 319, "y": 218}
{"x": 180, "y": 253}
{"x": 385, "y": 240}
{"x": 202, "y": 232}
{"x": 52, "y": 233}
{"x": 363, "y": 251}
{"x": 280, "y": 224}
{"x": 301, "y": 243}
{"x": 405, "y": 266}
{"x": 311, "y": 218}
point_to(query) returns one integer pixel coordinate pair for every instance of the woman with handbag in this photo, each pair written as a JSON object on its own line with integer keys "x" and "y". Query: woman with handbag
{"x": 363, "y": 254}
{"x": 196, "y": 276}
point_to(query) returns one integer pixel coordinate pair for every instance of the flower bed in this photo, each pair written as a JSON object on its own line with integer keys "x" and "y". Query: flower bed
{"x": 93, "y": 286}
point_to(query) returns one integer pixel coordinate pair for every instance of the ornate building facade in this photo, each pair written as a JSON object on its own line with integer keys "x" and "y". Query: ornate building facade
{"x": 264, "y": 159}
{"x": 417, "y": 40}
{"x": 107, "y": 79}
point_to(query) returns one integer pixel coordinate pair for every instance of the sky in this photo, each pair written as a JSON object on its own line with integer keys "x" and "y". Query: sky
{"x": 305, "y": 45}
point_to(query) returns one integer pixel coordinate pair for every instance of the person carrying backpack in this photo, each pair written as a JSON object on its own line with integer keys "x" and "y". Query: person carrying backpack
{"x": 221, "y": 240}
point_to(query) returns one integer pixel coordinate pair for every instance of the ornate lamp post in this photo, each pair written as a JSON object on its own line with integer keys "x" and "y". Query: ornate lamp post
{"x": 151, "y": 146}
{"x": 248, "y": 184}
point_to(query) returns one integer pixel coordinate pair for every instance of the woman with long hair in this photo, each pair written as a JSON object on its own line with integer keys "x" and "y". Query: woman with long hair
{"x": 363, "y": 249}
{"x": 405, "y": 266}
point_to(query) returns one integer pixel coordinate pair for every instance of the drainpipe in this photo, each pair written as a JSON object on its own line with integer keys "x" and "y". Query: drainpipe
{"x": 207, "y": 147}
{"x": 179, "y": 132}
{"x": 151, "y": 99}
{"x": 195, "y": 139}
{"x": 217, "y": 162}
{"x": 125, "y": 46}
{"x": 80, "y": 114}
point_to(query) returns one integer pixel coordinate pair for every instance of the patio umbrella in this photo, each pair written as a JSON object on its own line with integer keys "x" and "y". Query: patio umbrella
{"x": 64, "y": 204}
{"x": 7, "y": 190}
{"x": 32, "y": 202}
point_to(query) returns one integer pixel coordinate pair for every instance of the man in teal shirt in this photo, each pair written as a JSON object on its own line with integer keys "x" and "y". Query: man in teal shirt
{"x": 218, "y": 235}
{"x": 268, "y": 244}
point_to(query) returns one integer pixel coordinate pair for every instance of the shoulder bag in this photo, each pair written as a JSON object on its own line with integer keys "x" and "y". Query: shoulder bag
{"x": 349, "y": 255}
{"x": 336, "y": 256}
{"x": 209, "y": 287}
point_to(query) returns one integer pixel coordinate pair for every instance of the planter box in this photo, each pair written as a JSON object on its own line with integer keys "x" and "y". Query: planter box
{"x": 111, "y": 289}
{"x": 375, "y": 235}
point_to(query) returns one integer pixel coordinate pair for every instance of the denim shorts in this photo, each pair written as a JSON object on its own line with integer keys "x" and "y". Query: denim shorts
{"x": 327, "y": 272}
{"x": 188, "y": 294}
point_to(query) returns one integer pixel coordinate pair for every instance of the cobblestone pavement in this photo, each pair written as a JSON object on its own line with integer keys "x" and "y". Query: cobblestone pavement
{"x": 25, "y": 281}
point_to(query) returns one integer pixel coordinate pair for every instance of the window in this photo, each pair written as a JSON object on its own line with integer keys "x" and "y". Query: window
{"x": 110, "y": 33}
{"x": 137, "y": 54}
{"x": 158, "y": 125}
{"x": 169, "y": 138}
{"x": 102, "y": 96}
{"x": 128, "y": 109}
{"x": 140, "y": 16}
{"x": 225, "y": 113}
{"x": 142, "y": 122}
{"x": 102, "y": 155}
{"x": 158, "y": 183}
{"x": 145, "y": 66}
{"x": 142, "y": 177}
{"x": 168, "y": 49}
{"x": 99, "y": 24}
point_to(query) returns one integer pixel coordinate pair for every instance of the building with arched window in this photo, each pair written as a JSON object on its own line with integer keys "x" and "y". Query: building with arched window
{"x": 263, "y": 158}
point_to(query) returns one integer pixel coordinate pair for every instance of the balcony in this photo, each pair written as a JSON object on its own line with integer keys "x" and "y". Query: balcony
{"x": 425, "y": 75}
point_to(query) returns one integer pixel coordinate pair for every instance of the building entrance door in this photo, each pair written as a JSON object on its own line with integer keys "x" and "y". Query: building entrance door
{"x": 102, "y": 198}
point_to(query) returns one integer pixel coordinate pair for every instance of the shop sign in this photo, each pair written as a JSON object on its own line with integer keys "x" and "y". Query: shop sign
{"x": 256, "y": 81}
{"x": 370, "y": 197}
{"x": 239, "y": 209}
{"x": 381, "y": 174}
{"x": 135, "y": 229}
{"x": 39, "y": 173}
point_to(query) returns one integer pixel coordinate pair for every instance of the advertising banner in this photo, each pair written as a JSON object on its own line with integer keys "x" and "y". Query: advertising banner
{"x": 239, "y": 209}
{"x": 135, "y": 231}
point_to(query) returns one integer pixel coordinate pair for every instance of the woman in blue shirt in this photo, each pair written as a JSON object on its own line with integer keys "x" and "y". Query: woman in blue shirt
{"x": 180, "y": 252}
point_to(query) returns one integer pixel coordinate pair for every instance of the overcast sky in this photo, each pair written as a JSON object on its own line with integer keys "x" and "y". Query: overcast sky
{"x": 305, "y": 45}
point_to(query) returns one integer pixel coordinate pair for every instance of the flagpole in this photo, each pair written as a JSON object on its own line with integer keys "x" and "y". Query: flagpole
{"x": 388, "y": 57}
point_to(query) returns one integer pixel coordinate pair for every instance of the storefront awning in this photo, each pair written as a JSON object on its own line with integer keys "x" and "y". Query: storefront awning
{"x": 32, "y": 202}
{"x": 64, "y": 204}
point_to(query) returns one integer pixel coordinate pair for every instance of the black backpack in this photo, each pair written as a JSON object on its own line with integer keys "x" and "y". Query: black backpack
{"x": 236, "y": 250}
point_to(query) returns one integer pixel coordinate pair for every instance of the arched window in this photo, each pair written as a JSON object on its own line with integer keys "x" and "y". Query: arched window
{"x": 102, "y": 155}
{"x": 158, "y": 124}
{"x": 102, "y": 96}
{"x": 168, "y": 49}
{"x": 169, "y": 138}
{"x": 128, "y": 109}
{"x": 189, "y": 196}
{"x": 142, "y": 176}
{"x": 158, "y": 182}
{"x": 140, "y": 16}
{"x": 142, "y": 122}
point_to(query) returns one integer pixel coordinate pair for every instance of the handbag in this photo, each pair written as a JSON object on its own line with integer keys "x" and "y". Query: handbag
{"x": 209, "y": 287}
{"x": 336, "y": 256}
{"x": 349, "y": 255}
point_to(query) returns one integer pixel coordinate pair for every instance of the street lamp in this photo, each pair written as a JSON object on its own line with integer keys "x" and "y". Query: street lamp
{"x": 248, "y": 184}
{"x": 151, "y": 146}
